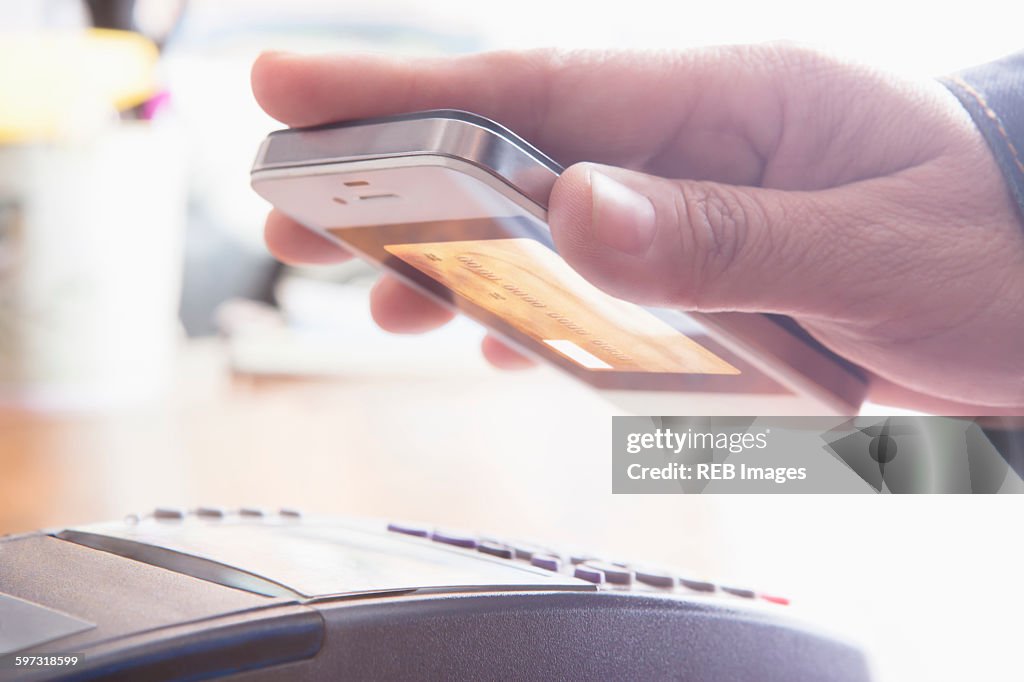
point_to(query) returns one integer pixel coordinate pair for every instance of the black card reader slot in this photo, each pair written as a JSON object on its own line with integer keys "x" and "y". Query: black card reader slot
{"x": 196, "y": 567}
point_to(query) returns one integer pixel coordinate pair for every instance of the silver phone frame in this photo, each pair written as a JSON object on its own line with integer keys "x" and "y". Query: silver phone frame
{"x": 506, "y": 163}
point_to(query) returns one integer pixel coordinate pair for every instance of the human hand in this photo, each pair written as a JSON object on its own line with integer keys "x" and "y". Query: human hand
{"x": 764, "y": 179}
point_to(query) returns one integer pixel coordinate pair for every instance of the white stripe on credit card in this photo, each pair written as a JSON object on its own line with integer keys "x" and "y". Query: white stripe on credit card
{"x": 574, "y": 352}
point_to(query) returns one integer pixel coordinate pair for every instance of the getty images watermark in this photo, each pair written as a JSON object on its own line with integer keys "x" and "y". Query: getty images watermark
{"x": 806, "y": 455}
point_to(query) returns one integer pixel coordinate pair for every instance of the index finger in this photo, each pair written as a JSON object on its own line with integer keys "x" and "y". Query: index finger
{"x": 613, "y": 107}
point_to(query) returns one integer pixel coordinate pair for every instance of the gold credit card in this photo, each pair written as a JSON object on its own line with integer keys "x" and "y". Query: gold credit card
{"x": 530, "y": 287}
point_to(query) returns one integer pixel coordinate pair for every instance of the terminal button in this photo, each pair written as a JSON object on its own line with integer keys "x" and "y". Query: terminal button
{"x": 406, "y": 529}
{"x": 546, "y": 561}
{"x": 655, "y": 578}
{"x": 495, "y": 549}
{"x": 453, "y": 538}
{"x": 697, "y": 585}
{"x": 746, "y": 594}
{"x": 210, "y": 512}
{"x": 612, "y": 572}
{"x": 593, "y": 575}
{"x": 169, "y": 513}
{"x": 526, "y": 551}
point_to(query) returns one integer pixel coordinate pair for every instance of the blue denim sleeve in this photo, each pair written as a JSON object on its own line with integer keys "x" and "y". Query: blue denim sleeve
{"x": 993, "y": 95}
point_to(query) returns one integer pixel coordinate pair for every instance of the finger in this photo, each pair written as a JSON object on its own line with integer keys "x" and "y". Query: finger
{"x": 712, "y": 247}
{"x": 292, "y": 243}
{"x": 304, "y": 90}
{"x": 401, "y": 309}
{"x": 605, "y": 106}
{"x": 502, "y": 356}
{"x": 888, "y": 394}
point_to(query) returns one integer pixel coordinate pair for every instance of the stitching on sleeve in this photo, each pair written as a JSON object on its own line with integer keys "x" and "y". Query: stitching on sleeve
{"x": 994, "y": 118}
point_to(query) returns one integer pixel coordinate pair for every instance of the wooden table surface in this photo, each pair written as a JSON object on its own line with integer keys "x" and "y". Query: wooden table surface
{"x": 524, "y": 454}
{"x": 528, "y": 455}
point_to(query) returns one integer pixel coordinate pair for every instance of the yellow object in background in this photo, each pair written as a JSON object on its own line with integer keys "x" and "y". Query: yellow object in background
{"x": 54, "y": 83}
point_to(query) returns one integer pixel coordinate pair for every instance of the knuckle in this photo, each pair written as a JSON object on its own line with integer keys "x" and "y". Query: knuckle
{"x": 717, "y": 225}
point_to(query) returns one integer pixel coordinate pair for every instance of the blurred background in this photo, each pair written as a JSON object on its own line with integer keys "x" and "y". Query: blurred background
{"x": 151, "y": 352}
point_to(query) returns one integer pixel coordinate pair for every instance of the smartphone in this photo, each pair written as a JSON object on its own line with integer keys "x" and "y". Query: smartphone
{"x": 455, "y": 205}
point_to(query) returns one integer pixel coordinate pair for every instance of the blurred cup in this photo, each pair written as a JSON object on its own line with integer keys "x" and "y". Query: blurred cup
{"x": 92, "y": 217}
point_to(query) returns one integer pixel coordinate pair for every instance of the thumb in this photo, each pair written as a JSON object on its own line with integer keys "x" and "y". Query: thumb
{"x": 693, "y": 244}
